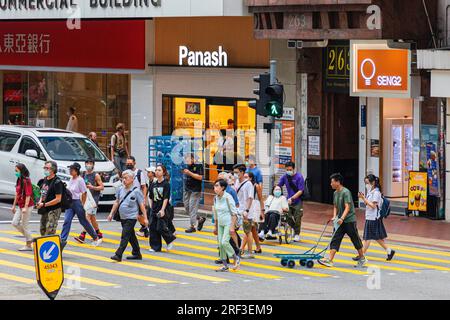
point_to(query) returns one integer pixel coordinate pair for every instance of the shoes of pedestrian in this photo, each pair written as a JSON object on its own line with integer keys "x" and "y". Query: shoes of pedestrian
{"x": 134, "y": 257}
{"x": 362, "y": 263}
{"x": 151, "y": 250}
{"x": 297, "y": 238}
{"x": 140, "y": 234}
{"x": 190, "y": 230}
{"x": 237, "y": 262}
{"x": 270, "y": 234}
{"x": 201, "y": 222}
{"x": 257, "y": 251}
{"x": 116, "y": 258}
{"x": 248, "y": 256}
{"x": 80, "y": 239}
{"x": 326, "y": 262}
{"x": 223, "y": 269}
{"x": 97, "y": 242}
{"x": 390, "y": 255}
{"x": 219, "y": 261}
{"x": 170, "y": 246}
{"x": 357, "y": 258}
{"x": 26, "y": 248}
{"x": 261, "y": 234}
{"x": 100, "y": 235}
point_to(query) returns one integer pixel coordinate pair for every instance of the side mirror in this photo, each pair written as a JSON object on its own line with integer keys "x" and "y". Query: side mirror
{"x": 32, "y": 154}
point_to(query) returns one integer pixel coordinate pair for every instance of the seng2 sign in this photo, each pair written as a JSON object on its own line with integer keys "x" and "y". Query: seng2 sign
{"x": 380, "y": 71}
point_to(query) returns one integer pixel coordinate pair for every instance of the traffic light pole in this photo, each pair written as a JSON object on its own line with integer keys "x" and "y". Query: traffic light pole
{"x": 272, "y": 164}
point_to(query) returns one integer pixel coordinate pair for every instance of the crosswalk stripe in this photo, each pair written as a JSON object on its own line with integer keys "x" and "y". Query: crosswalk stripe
{"x": 94, "y": 268}
{"x": 14, "y": 278}
{"x": 212, "y": 258}
{"x": 392, "y": 246}
{"x": 268, "y": 244}
{"x": 67, "y": 276}
{"x": 144, "y": 266}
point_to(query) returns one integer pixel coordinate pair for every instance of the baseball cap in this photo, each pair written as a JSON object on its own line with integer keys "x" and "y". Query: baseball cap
{"x": 75, "y": 166}
{"x": 151, "y": 169}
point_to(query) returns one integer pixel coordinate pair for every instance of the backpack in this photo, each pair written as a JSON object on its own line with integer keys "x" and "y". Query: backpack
{"x": 385, "y": 209}
{"x": 66, "y": 198}
{"x": 306, "y": 195}
{"x": 36, "y": 193}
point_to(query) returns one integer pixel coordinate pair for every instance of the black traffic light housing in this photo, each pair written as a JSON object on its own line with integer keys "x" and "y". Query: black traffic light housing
{"x": 263, "y": 98}
{"x": 274, "y": 107}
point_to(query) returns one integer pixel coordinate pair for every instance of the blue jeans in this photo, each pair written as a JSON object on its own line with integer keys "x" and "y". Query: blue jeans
{"x": 76, "y": 209}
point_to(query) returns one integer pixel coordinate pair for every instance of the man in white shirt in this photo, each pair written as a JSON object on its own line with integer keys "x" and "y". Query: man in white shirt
{"x": 72, "y": 124}
{"x": 245, "y": 192}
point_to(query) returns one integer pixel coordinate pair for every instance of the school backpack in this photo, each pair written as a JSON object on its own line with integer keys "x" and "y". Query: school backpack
{"x": 66, "y": 198}
{"x": 385, "y": 209}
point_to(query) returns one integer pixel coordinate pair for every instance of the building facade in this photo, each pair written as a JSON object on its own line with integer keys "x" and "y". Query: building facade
{"x": 363, "y": 105}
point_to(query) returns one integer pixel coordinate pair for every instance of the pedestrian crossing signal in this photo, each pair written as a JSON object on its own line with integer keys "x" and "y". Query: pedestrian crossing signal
{"x": 274, "y": 107}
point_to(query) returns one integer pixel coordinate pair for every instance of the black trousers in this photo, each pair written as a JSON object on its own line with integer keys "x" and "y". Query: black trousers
{"x": 350, "y": 229}
{"x": 128, "y": 236}
{"x": 159, "y": 229}
{"x": 233, "y": 244}
{"x": 271, "y": 221}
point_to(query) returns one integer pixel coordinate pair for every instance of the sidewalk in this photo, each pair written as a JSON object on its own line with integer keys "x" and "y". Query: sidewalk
{"x": 413, "y": 230}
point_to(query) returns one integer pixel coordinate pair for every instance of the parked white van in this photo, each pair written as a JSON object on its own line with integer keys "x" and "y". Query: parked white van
{"x": 33, "y": 146}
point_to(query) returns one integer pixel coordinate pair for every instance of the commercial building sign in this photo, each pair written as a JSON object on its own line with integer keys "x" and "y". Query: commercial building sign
{"x": 380, "y": 71}
{"x": 337, "y": 67}
{"x": 217, "y": 58}
{"x": 116, "y": 44}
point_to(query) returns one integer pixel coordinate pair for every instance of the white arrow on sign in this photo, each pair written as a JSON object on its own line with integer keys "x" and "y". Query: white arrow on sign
{"x": 47, "y": 254}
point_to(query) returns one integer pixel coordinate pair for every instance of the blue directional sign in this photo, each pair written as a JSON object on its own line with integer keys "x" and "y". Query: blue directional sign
{"x": 49, "y": 252}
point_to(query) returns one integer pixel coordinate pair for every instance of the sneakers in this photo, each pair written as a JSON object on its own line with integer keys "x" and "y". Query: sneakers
{"x": 100, "y": 235}
{"x": 248, "y": 256}
{"x": 326, "y": 262}
{"x": 80, "y": 239}
{"x": 151, "y": 250}
{"x": 357, "y": 258}
{"x": 223, "y": 269}
{"x": 26, "y": 248}
{"x": 237, "y": 262}
{"x": 219, "y": 261}
{"x": 201, "y": 222}
{"x": 270, "y": 234}
{"x": 297, "y": 238}
{"x": 190, "y": 230}
{"x": 261, "y": 235}
{"x": 170, "y": 246}
{"x": 97, "y": 242}
{"x": 390, "y": 255}
{"x": 362, "y": 263}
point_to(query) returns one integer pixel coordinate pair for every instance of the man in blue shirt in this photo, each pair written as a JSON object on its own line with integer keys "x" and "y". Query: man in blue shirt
{"x": 252, "y": 167}
{"x": 295, "y": 186}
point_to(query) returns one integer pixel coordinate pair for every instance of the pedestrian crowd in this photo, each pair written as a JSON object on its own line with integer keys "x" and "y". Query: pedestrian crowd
{"x": 144, "y": 199}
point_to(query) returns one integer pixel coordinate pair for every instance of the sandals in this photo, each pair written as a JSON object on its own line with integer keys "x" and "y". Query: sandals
{"x": 223, "y": 269}
{"x": 257, "y": 251}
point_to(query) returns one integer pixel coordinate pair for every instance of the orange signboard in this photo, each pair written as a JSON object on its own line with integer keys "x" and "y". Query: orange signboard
{"x": 382, "y": 70}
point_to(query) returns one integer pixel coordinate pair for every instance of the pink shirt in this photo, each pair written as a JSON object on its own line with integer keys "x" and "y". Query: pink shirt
{"x": 77, "y": 187}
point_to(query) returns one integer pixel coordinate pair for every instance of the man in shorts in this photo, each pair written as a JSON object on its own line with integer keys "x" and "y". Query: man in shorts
{"x": 245, "y": 192}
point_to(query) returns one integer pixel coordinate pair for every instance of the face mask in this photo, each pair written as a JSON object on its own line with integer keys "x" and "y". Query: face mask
{"x": 236, "y": 176}
{"x": 18, "y": 174}
{"x": 130, "y": 167}
{"x": 46, "y": 173}
{"x": 277, "y": 194}
{"x": 290, "y": 173}
{"x": 247, "y": 164}
{"x": 368, "y": 187}
{"x": 89, "y": 168}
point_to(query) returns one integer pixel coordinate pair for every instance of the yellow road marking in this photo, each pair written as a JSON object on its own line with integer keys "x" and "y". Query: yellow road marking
{"x": 66, "y": 276}
{"x": 212, "y": 258}
{"x": 268, "y": 244}
{"x": 138, "y": 265}
{"x": 16, "y": 278}
{"x": 94, "y": 268}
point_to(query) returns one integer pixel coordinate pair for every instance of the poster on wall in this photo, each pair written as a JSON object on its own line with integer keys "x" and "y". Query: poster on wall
{"x": 417, "y": 191}
{"x": 375, "y": 148}
{"x": 285, "y": 138}
{"x": 313, "y": 145}
{"x": 429, "y": 157}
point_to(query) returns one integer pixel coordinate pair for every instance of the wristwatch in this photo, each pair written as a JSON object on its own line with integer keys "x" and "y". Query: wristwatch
{"x": 248, "y": 210}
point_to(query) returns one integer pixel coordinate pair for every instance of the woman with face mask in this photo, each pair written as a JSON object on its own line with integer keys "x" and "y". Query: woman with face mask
{"x": 374, "y": 228}
{"x": 276, "y": 205}
{"x": 25, "y": 203}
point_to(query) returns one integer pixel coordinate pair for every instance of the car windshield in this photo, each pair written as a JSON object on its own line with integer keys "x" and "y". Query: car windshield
{"x": 72, "y": 149}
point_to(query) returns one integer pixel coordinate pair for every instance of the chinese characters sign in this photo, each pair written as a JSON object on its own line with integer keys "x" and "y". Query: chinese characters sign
{"x": 417, "y": 191}
{"x": 117, "y": 44}
{"x": 28, "y": 43}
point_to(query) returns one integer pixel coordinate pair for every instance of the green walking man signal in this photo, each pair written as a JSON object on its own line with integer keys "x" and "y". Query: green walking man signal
{"x": 270, "y": 97}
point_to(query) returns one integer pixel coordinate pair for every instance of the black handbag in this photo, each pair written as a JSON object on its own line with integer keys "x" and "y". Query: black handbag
{"x": 116, "y": 215}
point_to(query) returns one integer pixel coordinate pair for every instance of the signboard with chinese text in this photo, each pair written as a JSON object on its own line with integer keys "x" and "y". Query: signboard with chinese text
{"x": 285, "y": 138}
{"x": 118, "y": 44}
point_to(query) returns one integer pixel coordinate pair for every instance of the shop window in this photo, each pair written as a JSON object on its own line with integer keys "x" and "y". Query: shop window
{"x": 14, "y": 97}
{"x": 8, "y": 141}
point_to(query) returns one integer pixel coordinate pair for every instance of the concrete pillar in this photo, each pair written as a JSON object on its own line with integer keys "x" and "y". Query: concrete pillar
{"x": 447, "y": 164}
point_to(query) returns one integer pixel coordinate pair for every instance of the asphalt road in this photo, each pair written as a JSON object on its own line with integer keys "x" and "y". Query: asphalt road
{"x": 188, "y": 271}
